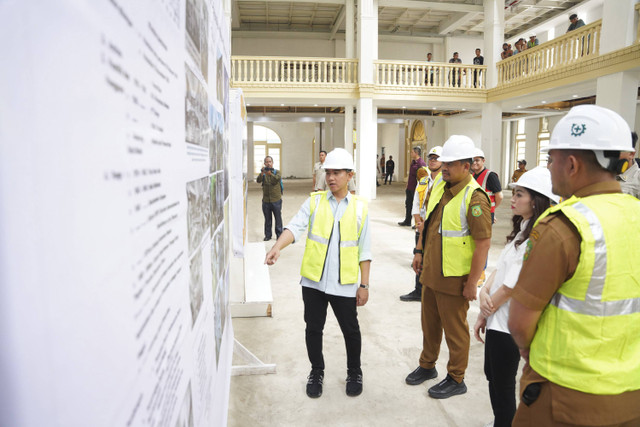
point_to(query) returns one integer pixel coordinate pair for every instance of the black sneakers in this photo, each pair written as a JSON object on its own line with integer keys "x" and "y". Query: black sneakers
{"x": 354, "y": 384}
{"x": 414, "y": 295}
{"x": 314, "y": 383}
{"x": 420, "y": 375}
{"x": 447, "y": 388}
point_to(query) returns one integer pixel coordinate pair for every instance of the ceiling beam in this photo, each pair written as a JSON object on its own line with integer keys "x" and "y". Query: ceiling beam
{"x": 420, "y": 5}
{"x": 338, "y": 22}
{"x": 455, "y": 21}
{"x": 296, "y": 1}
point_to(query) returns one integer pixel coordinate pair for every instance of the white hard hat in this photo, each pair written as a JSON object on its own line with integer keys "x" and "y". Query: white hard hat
{"x": 479, "y": 153}
{"x": 437, "y": 150}
{"x": 457, "y": 147}
{"x": 339, "y": 158}
{"x": 537, "y": 179}
{"x": 589, "y": 127}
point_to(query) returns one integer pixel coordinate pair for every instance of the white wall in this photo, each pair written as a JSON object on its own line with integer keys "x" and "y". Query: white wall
{"x": 283, "y": 47}
{"x": 403, "y": 51}
{"x": 465, "y": 46}
{"x": 297, "y": 139}
{"x": 388, "y": 137}
{"x": 466, "y": 126}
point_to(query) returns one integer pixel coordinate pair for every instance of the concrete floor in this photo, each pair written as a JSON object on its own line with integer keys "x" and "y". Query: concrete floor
{"x": 391, "y": 337}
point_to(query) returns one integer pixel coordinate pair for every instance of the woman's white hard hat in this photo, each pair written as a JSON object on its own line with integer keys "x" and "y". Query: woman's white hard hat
{"x": 537, "y": 179}
{"x": 339, "y": 158}
{"x": 457, "y": 147}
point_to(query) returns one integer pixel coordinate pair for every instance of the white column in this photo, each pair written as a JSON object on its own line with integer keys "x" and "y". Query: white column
{"x": 348, "y": 128}
{"x": 618, "y": 92}
{"x": 493, "y": 38}
{"x": 618, "y": 30}
{"x": 366, "y": 122}
{"x": 349, "y": 29}
{"x": 491, "y": 142}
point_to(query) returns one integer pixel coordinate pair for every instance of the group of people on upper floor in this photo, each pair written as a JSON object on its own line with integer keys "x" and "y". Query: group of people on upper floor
{"x": 522, "y": 44}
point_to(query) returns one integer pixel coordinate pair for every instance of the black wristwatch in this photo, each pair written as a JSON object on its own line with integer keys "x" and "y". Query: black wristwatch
{"x": 417, "y": 251}
{"x": 364, "y": 286}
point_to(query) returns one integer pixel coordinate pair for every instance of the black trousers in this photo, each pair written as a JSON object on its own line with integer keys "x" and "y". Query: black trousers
{"x": 501, "y": 358}
{"x": 389, "y": 176}
{"x": 315, "y": 315}
{"x": 274, "y": 209}
{"x": 418, "y": 284}
{"x": 408, "y": 205}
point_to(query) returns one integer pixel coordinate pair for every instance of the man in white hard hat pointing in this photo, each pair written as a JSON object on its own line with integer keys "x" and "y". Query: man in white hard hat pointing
{"x": 575, "y": 310}
{"x": 337, "y": 247}
{"x": 450, "y": 255}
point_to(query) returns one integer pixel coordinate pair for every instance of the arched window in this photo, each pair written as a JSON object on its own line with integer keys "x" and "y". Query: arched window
{"x": 265, "y": 143}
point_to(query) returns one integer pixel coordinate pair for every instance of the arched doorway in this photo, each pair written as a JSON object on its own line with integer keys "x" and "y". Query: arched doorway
{"x": 417, "y": 138}
{"x": 266, "y": 143}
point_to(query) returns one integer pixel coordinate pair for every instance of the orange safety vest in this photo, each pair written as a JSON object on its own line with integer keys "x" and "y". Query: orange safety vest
{"x": 482, "y": 180}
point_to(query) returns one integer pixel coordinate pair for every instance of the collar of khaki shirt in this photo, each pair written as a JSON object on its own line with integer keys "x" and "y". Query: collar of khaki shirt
{"x": 459, "y": 186}
{"x": 604, "y": 187}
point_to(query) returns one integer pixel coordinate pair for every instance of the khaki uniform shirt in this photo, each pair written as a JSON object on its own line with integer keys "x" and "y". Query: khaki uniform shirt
{"x": 480, "y": 227}
{"x": 517, "y": 174}
{"x": 551, "y": 259}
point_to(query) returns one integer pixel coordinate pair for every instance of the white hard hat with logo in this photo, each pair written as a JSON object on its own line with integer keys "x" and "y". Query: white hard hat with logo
{"x": 457, "y": 147}
{"x": 590, "y": 127}
{"x": 537, "y": 179}
{"x": 339, "y": 158}
{"x": 437, "y": 151}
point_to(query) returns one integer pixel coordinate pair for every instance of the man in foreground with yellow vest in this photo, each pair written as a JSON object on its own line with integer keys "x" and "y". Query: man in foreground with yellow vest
{"x": 456, "y": 236}
{"x": 337, "y": 246}
{"x": 575, "y": 310}
{"x": 426, "y": 177}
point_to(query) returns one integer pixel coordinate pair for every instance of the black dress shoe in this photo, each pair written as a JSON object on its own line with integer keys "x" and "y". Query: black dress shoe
{"x": 420, "y": 375}
{"x": 447, "y": 388}
{"x": 354, "y": 384}
{"x": 266, "y": 239}
{"x": 404, "y": 224}
{"x": 314, "y": 383}
{"x": 414, "y": 295}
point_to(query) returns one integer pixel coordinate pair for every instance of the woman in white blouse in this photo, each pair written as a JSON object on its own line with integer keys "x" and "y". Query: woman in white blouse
{"x": 531, "y": 197}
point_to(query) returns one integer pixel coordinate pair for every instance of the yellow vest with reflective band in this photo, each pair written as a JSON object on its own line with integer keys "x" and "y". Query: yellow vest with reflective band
{"x": 423, "y": 188}
{"x": 321, "y": 222}
{"x": 457, "y": 243}
{"x": 588, "y": 336}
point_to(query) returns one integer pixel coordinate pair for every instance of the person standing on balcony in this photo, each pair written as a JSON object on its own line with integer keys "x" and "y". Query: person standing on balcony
{"x": 506, "y": 51}
{"x": 478, "y": 60}
{"x": 389, "y": 167}
{"x": 455, "y": 72}
{"x": 575, "y": 23}
{"x": 533, "y": 41}
{"x": 412, "y": 182}
{"x": 430, "y": 73}
{"x": 319, "y": 183}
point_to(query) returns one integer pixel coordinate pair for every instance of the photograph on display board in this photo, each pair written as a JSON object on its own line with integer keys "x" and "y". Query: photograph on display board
{"x": 213, "y": 145}
{"x": 185, "y": 417}
{"x": 219, "y": 77}
{"x": 214, "y": 267}
{"x": 198, "y": 211}
{"x": 197, "y": 34}
{"x": 218, "y": 130}
{"x": 217, "y": 324}
{"x": 214, "y": 208}
{"x": 220, "y": 196}
{"x": 220, "y": 255}
{"x": 196, "y": 291}
{"x": 225, "y": 169}
{"x": 196, "y": 110}
{"x": 225, "y": 95}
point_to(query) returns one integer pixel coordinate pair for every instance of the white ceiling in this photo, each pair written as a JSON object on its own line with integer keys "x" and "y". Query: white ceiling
{"x": 434, "y": 18}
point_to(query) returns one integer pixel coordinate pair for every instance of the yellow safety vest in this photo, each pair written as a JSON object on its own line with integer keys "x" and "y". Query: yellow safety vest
{"x": 321, "y": 222}
{"x": 457, "y": 243}
{"x": 588, "y": 336}
{"x": 423, "y": 188}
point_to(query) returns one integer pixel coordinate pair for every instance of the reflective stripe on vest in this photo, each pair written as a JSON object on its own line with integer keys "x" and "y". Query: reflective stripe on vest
{"x": 321, "y": 224}
{"x": 482, "y": 180}
{"x": 457, "y": 244}
{"x": 588, "y": 337}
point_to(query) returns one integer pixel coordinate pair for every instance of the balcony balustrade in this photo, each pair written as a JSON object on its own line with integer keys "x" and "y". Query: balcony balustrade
{"x": 407, "y": 74}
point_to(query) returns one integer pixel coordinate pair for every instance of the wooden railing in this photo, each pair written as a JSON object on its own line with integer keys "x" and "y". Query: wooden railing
{"x": 429, "y": 74}
{"x": 574, "y": 46}
{"x": 293, "y": 70}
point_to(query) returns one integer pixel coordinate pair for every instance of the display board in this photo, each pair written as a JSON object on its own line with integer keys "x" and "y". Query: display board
{"x": 114, "y": 213}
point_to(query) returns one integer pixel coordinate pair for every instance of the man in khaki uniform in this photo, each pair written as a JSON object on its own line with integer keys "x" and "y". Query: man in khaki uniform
{"x": 575, "y": 310}
{"x": 455, "y": 249}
